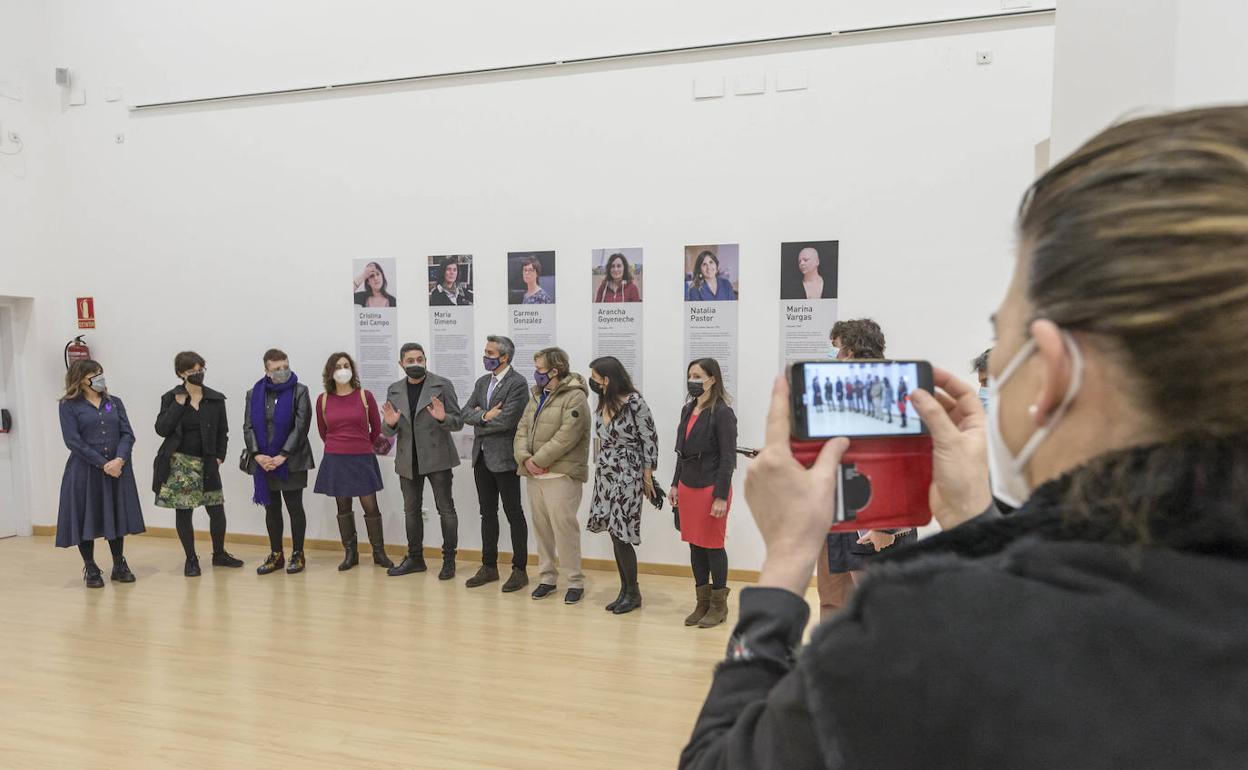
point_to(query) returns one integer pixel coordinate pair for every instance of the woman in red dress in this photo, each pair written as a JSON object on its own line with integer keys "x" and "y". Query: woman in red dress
{"x": 706, "y": 446}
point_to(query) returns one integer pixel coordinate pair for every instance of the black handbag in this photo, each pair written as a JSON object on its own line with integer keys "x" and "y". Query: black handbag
{"x": 676, "y": 517}
{"x": 244, "y": 461}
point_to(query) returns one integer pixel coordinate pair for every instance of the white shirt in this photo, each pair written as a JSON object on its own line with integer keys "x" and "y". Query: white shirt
{"x": 497, "y": 377}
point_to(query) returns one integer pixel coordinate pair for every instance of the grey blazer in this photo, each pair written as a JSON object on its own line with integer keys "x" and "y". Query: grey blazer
{"x": 437, "y": 451}
{"x": 494, "y": 438}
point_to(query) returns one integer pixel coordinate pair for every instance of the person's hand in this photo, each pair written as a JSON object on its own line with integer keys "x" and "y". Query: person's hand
{"x": 671, "y": 497}
{"x": 534, "y": 468}
{"x": 956, "y": 419}
{"x": 436, "y": 409}
{"x": 647, "y": 480}
{"x": 792, "y": 505}
{"x": 180, "y": 398}
{"x": 493, "y": 413}
{"x": 219, "y": 461}
{"x": 263, "y": 461}
{"x": 719, "y": 508}
{"x": 113, "y": 467}
{"x": 880, "y": 540}
{"x": 276, "y": 461}
{"x": 390, "y": 414}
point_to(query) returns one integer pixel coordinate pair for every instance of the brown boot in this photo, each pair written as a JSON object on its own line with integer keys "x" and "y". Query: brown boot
{"x": 704, "y": 604}
{"x": 718, "y": 612}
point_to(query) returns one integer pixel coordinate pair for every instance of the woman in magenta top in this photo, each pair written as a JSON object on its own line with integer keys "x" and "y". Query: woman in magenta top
{"x": 349, "y": 423}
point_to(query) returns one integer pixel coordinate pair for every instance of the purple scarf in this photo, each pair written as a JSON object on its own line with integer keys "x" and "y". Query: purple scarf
{"x": 283, "y": 424}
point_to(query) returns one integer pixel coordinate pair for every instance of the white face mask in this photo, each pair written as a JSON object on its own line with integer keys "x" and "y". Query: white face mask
{"x": 342, "y": 376}
{"x": 1009, "y": 480}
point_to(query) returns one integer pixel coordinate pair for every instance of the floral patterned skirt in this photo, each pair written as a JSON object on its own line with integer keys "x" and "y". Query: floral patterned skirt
{"x": 185, "y": 486}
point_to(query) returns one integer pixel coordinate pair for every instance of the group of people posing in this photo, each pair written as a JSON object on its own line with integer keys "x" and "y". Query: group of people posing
{"x": 540, "y": 430}
{"x": 873, "y": 396}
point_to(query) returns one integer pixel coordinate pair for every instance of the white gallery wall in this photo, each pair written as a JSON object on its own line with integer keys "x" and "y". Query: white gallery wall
{"x": 229, "y": 229}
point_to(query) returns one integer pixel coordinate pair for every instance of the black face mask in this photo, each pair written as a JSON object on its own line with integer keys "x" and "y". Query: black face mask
{"x": 195, "y": 379}
{"x": 415, "y": 371}
{"x": 596, "y": 387}
{"x": 696, "y": 388}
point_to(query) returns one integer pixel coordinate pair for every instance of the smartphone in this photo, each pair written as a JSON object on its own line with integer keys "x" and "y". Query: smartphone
{"x": 886, "y": 473}
{"x": 858, "y": 399}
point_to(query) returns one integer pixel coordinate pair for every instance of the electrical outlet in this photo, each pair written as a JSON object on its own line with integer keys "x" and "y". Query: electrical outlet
{"x": 983, "y": 57}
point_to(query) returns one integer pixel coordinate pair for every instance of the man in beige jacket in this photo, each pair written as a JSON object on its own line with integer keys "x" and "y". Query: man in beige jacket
{"x": 552, "y": 449}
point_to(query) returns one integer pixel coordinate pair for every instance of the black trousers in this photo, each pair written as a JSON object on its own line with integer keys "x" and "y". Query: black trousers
{"x": 490, "y": 487}
{"x": 413, "y": 500}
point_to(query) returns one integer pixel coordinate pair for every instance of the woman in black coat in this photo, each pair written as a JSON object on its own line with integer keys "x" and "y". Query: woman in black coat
{"x": 278, "y": 455}
{"x": 1103, "y": 625}
{"x": 187, "y": 471}
{"x": 706, "y": 452}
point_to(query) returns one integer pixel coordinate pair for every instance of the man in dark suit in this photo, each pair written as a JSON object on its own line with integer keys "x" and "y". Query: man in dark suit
{"x": 498, "y": 399}
{"x": 423, "y": 410}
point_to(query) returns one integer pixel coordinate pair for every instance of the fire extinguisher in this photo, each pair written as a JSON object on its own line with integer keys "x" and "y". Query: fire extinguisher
{"x": 76, "y": 350}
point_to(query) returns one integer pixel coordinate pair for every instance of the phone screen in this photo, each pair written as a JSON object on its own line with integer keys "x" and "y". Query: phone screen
{"x": 857, "y": 398}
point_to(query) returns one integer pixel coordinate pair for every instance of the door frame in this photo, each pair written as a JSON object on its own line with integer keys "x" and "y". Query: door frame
{"x": 15, "y": 318}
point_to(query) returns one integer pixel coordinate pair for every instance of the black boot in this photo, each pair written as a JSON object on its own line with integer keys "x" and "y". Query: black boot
{"x": 412, "y": 562}
{"x": 631, "y": 600}
{"x": 611, "y": 607}
{"x": 191, "y": 568}
{"x": 346, "y": 529}
{"x": 91, "y": 575}
{"x": 448, "y": 568}
{"x": 378, "y": 541}
{"x": 121, "y": 571}
{"x": 224, "y": 558}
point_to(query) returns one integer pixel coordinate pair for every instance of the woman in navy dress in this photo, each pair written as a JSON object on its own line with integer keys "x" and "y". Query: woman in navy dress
{"x": 99, "y": 497}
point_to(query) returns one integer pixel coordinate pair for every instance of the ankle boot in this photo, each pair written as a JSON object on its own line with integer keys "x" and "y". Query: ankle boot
{"x": 276, "y": 561}
{"x": 346, "y": 529}
{"x": 378, "y": 541}
{"x": 121, "y": 571}
{"x": 699, "y": 609}
{"x": 91, "y": 575}
{"x": 718, "y": 611}
{"x": 631, "y": 600}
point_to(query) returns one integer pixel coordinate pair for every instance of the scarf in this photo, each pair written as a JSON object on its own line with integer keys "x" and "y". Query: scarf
{"x": 283, "y": 424}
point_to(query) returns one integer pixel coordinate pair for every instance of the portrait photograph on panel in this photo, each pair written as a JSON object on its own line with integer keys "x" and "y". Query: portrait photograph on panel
{"x": 531, "y": 278}
{"x": 372, "y": 287}
{"x": 617, "y": 275}
{"x": 450, "y": 280}
{"x": 711, "y": 273}
{"x": 808, "y": 270}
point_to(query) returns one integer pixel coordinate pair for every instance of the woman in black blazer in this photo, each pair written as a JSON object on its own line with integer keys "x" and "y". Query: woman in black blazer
{"x": 187, "y": 471}
{"x": 706, "y": 446}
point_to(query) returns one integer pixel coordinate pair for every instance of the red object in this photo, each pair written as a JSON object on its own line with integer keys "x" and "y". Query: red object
{"x": 343, "y": 425}
{"x": 76, "y": 350}
{"x": 899, "y": 470}
{"x": 86, "y": 312}
{"x": 697, "y": 525}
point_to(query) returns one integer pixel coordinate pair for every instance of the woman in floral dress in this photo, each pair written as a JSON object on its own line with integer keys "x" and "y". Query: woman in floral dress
{"x": 628, "y": 454}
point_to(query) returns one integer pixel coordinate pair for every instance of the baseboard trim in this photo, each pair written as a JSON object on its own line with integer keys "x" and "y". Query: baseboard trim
{"x": 465, "y": 554}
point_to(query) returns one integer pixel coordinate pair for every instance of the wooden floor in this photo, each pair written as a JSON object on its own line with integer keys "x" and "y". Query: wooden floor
{"x": 335, "y": 670}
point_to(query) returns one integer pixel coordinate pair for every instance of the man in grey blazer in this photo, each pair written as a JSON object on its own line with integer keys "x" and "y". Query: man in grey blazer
{"x": 498, "y": 400}
{"x": 422, "y": 409}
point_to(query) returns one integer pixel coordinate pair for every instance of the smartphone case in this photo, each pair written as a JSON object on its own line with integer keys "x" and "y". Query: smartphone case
{"x": 899, "y": 473}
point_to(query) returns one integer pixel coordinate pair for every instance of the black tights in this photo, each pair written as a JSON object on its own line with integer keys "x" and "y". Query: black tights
{"x": 710, "y": 565}
{"x": 625, "y": 561}
{"x": 273, "y": 519}
{"x": 368, "y": 502}
{"x": 216, "y": 528}
{"x": 87, "y": 549}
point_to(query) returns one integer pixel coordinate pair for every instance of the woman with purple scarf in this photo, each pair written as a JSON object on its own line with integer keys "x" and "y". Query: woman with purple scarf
{"x": 279, "y": 456}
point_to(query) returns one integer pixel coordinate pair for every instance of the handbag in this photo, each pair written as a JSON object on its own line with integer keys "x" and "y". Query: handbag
{"x": 676, "y": 517}
{"x": 244, "y": 461}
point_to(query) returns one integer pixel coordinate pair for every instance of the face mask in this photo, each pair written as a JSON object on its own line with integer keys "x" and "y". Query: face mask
{"x": 541, "y": 378}
{"x": 1009, "y": 481}
{"x": 983, "y": 397}
{"x": 491, "y": 364}
{"x": 342, "y": 376}
{"x": 415, "y": 371}
{"x": 596, "y": 387}
{"x": 696, "y": 388}
{"x": 279, "y": 375}
{"x": 833, "y": 353}
{"x": 98, "y": 383}
{"x": 196, "y": 379}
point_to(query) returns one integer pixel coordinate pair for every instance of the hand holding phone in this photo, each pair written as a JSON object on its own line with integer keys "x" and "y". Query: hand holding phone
{"x": 792, "y": 503}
